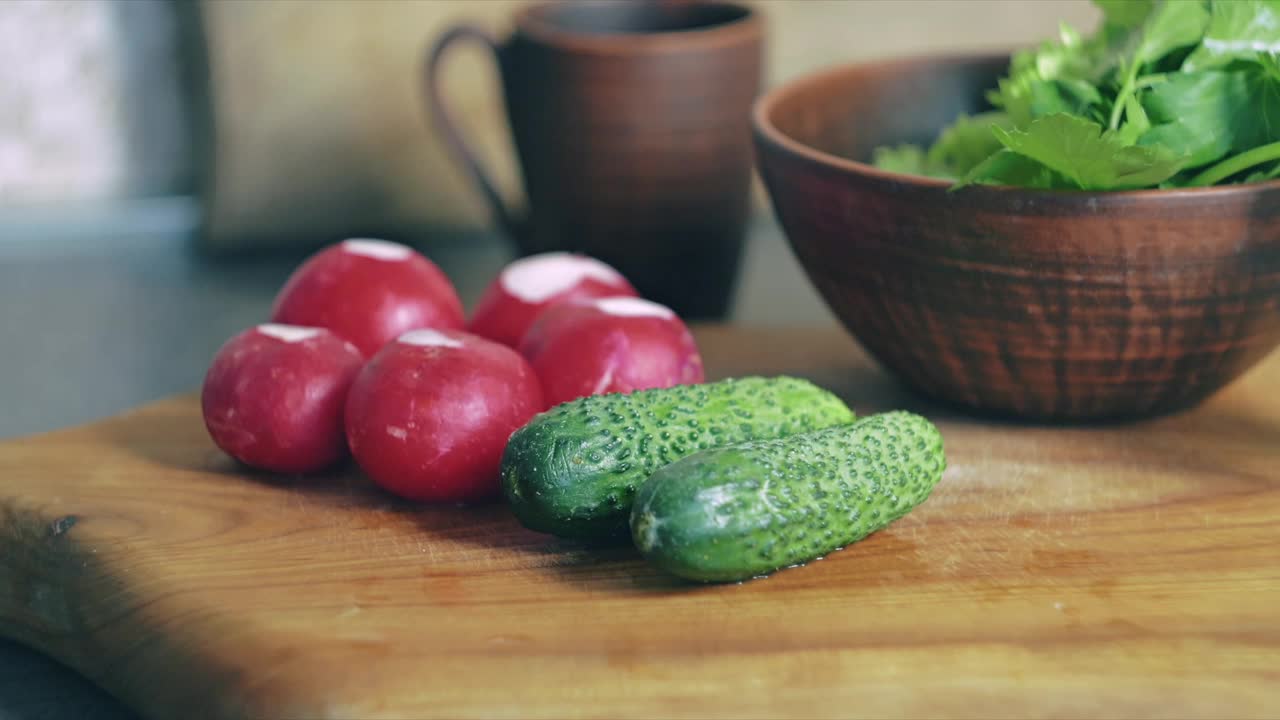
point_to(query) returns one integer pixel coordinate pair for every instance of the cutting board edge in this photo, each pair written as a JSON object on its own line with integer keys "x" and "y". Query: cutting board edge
{"x": 50, "y": 565}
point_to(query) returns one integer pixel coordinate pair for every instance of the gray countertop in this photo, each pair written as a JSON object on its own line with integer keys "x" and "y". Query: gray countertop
{"x": 89, "y": 331}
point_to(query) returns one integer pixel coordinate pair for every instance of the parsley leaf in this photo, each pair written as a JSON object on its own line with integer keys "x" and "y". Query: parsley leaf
{"x": 1205, "y": 115}
{"x": 1058, "y": 76}
{"x": 1125, "y": 13}
{"x": 958, "y": 150}
{"x": 1007, "y": 167}
{"x": 907, "y": 159}
{"x": 1166, "y": 93}
{"x": 1092, "y": 158}
{"x": 1171, "y": 25}
{"x": 1136, "y": 122}
{"x": 1270, "y": 65}
{"x": 1238, "y": 30}
{"x": 1193, "y": 114}
{"x": 968, "y": 142}
{"x": 1258, "y": 121}
{"x": 1199, "y": 145}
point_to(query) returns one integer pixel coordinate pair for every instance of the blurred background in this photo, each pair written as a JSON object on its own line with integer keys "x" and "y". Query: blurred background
{"x": 164, "y": 165}
{"x": 248, "y": 126}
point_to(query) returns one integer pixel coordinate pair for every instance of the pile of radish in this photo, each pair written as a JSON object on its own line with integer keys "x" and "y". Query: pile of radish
{"x": 368, "y": 353}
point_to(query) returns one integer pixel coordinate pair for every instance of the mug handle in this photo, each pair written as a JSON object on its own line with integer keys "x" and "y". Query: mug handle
{"x": 462, "y": 152}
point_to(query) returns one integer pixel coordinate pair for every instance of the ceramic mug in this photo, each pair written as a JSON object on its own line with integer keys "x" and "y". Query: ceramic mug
{"x": 631, "y": 122}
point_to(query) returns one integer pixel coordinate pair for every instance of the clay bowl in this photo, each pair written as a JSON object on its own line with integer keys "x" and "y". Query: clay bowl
{"x": 1036, "y": 304}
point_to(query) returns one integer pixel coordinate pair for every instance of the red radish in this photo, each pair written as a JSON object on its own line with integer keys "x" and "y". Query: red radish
{"x": 369, "y": 292}
{"x": 617, "y": 344}
{"x": 527, "y": 287}
{"x": 429, "y": 416}
{"x": 274, "y": 395}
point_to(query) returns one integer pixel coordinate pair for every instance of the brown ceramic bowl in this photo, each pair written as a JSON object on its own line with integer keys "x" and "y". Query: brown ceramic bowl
{"x": 1040, "y": 304}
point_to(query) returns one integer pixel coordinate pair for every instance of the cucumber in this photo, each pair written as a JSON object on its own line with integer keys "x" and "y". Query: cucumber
{"x": 745, "y": 510}
{"x": 573, "y": 470}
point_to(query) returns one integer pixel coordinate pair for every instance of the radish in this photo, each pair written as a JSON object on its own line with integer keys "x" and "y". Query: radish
{"x": 527, "y": 287}
{"x": 429, "y": 416}
{"x": 369, "y": 292}
{"x": 616, "y": 344}
{"x": 274, "y": 395}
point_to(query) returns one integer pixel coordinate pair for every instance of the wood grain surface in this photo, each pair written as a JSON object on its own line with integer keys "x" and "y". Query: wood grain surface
{"x": 1104, "y": 571}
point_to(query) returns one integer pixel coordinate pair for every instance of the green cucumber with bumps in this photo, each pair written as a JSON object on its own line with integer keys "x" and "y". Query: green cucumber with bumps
{"x": 573, "y": 470}
{"x": 745, "y": 510}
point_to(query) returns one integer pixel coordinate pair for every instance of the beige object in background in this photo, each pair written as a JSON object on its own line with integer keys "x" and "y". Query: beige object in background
{"x": 320, "y": 130}
{"x": 92, "y": 107}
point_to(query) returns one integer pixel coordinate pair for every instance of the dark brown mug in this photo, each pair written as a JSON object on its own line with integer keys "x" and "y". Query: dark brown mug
{"x": 631, "y": 122}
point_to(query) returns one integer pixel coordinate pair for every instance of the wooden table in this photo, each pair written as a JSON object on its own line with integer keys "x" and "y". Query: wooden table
{"x": 1119, "y": 571}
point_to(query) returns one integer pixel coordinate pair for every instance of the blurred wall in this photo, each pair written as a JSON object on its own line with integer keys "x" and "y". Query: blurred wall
{"x": 320, "y": 130}
{"x": 92, "y": 102}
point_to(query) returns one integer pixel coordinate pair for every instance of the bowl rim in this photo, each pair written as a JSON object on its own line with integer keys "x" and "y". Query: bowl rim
{"x": 532, "y": 21}
{"x": 768, "y": 133}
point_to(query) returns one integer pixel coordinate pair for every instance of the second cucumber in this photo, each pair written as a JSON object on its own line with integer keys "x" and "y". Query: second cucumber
{"x": 573, "y": 470}
{"x": 737, "y": 512}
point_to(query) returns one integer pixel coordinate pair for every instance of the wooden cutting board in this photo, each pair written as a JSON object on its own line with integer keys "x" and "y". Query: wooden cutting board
{"x": 1120, "y": 571}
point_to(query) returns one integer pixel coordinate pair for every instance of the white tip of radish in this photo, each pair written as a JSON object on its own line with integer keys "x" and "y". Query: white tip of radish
{"x": 288, "y": 333}
{"x": 377, "y": 249}
{"x": 541, "y": 277}
{"x": 429, "y": 338}
{"x": 633, "y": 307}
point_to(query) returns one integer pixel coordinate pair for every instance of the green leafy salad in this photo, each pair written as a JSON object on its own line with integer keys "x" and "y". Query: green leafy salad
{"x": 1166, "y": 94}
